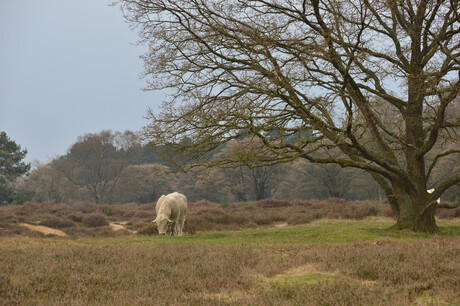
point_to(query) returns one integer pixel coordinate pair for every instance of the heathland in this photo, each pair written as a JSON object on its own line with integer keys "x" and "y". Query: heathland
{"x": 257, "y": 253}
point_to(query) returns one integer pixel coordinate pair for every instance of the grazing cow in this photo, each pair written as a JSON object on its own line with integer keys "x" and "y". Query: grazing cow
{"x": 171, "y": 210}
{"x": 430, "y": 191}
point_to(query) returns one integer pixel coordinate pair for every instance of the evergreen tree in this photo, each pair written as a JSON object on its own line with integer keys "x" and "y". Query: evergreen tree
{"x": 11, "y": 167}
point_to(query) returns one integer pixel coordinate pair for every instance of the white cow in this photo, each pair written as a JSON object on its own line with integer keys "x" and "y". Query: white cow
{"x": 430, "y": 191}
{"x": 171, "y": 210}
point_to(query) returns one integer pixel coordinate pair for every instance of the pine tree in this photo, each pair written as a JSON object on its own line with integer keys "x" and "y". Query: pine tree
{"x": 11, "y": 167}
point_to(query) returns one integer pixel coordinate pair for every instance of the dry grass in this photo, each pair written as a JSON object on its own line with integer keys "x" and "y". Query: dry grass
{"x": 120, "y": 271}
{"x": 234, "y": 254}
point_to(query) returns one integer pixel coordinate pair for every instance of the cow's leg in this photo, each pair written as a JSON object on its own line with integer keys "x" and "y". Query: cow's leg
{"x": 174, "y": 228}
{"x": 170, "y": 230}
{"x": 181, "y": 226}
{"x": 178, "y": 231}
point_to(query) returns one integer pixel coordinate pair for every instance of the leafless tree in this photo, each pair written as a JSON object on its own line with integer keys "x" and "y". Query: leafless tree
{"x": 144, "y": 183}
{"x": 231, "y": 179}
{"x": 241, "y": 170}
{"x": 332, "y": 180}
{"x": 248, "y": 68}
{"x": 48, "y": 184}
{"x": 96, "y": 161}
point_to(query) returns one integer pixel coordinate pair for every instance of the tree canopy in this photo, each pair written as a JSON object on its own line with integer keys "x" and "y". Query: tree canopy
{"x": 95, "y": 162}
{"x": 11, "y": 167}
{"x": 373, "y": 80}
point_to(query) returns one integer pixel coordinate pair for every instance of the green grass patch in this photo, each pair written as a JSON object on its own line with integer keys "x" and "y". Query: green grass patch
{"x": 431, "y": 300}
{"x": 298, "y": 279}
{"x": 318, "y": 233}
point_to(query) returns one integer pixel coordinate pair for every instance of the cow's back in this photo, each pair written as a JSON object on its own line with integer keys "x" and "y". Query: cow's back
{"x": 181, "y": 201}
{"x": 178, "y": 205}
{"x": 159, "y": 203}
{"x": 173, "y": 205}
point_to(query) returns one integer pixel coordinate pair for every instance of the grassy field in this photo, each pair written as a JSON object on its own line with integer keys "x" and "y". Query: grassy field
{"x": 325, "y": 262}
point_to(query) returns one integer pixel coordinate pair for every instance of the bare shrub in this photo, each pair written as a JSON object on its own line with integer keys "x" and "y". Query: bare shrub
{"x": 130, "y": 206}
{"x": 445, "y": 213}
{"x": 85, "y": 207}
{"x": 271, "y": 203}
{"x": 27, "y": 209}
{"x": 10, "y": 228}
{"x": 76, "y": 216}
{"x": 127, "y": 214}
{"x": 301, "y": 219}
{"x": 53, "y": 208}
{"x": 149, "y": 230}
{"x": 147, "y": 207}
{"x": 267, "y": 218}
{"x": 109, "y": 210}
{"x": 56, "y": 222}
{"x": 138, "y": 224}
{"x": 202, "y": 203}
{"x": 301, "y": 203}
{"x": 197, "y": 223}
{"x": 95, "y": 220}
{"x": 229, "y": 219}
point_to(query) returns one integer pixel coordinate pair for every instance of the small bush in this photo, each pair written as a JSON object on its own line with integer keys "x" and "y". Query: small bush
{"x": 56, "y": 222}
{"x": 108, "y": 210}
{"x": 76, "y": 216}
{"x": 301, "y": 203}
{"x": 271, "y": 203}
{"x": 85, "y": 207}
{"x": 446, "y": 213}
{"x": 138, "y": 224}
{"x": 148, "y": 230}
{"x": 27, "y": 209}
{"x": 301, "y": 219}
{"x": 229, "y": 219}
{"x": 95, "y": 220}
{"x": 53, "y": 208}
{"x": 128, "y": 214}
{"x": 267, "y": 218}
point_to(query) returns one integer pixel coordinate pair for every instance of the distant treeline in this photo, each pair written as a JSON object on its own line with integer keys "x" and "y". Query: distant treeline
{"x": 113, "y": 167}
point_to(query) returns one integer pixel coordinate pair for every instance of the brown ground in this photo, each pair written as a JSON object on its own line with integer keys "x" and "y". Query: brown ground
{"x": 44, "y": 230}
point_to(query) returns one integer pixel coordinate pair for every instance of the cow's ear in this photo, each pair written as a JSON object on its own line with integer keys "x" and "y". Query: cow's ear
{"x": 154, "y": 221}
{"x": 169, "y": 221}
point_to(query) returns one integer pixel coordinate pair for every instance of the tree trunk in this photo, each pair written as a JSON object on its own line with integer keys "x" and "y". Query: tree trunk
{"x": 239, "y": 195}
{"x": 260, "y": 191}
{"x": 415, "y": 213}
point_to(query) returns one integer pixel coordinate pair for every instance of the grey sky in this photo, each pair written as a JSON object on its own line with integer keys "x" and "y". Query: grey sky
{"x": 68, "y": 68}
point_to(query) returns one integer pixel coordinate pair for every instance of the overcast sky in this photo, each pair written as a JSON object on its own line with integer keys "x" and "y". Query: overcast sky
{"x": 68, "y": 68}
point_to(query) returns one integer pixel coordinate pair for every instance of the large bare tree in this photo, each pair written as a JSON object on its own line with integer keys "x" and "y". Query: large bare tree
{"x": 275, "y": 69}
{"x": 96, "y": 161}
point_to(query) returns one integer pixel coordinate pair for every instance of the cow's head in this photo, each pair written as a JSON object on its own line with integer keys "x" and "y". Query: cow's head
{"x": 163, "y": 224}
